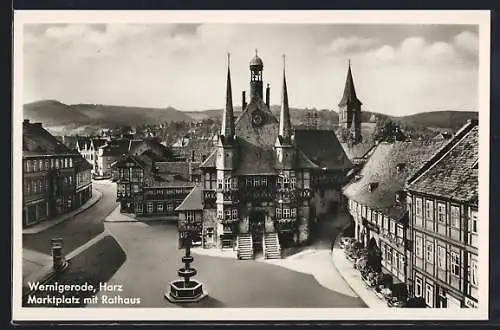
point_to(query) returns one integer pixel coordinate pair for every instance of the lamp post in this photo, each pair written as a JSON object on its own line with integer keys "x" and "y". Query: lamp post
{"x": 186, "y": 289}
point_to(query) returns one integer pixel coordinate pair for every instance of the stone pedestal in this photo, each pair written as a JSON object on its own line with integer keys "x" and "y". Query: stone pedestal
{"x": 58, "y": 259}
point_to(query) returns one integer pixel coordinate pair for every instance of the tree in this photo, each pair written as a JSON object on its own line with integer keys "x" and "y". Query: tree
{"x": 388, "y": 130}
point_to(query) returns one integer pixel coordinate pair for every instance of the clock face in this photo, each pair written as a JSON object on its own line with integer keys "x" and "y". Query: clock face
{"x": 257, "y": 118}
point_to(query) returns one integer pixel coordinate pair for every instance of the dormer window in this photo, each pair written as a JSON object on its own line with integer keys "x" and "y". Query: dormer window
{"x": 358, "y": 177}
{"x": 400, "y": 196}
{"x": 475, "y": 165}
{"x": 372, "y": 186}
{"x": 400, "y": 167}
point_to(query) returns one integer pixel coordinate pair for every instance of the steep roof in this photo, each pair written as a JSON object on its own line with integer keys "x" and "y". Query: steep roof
{"x": 193, "y": 200}
{"x": 385, "y": 172}
{"x": 210, "y": 161}
{"x": 115, "y": 148}
{"x": 256, "y": 142}
{"x": 349, "y": 96}
{"x": 322, "y": 148}
{"x": 171, "y": 170}
{"x": 38, "y": 142}
{"x": 357, "y": 151}
{"x": 98, "y": 142}
{"x": 452, "y": 172}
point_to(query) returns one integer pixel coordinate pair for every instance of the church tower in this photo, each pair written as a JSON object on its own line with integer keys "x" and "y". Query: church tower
{"x": 350, "y": 108}
{"x": 285, "y": 151}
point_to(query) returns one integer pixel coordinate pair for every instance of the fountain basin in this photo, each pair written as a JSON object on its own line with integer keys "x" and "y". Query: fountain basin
{"x": 185, "y": 292}
{"x": 186, "y": 272}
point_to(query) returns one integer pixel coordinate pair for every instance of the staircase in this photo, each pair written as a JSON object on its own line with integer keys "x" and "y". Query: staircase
{"x": 245, "y": 247}
{"x": 272, "y": 249}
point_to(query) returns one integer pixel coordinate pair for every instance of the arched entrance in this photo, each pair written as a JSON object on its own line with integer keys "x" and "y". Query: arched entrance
{"x": 374, "y": 255}
{"x": 256, "y": 228}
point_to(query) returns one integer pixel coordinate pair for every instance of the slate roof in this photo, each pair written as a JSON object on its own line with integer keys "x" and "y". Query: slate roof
{"x": 115, "y": 148}
{"x": 193, "y": 201}
{"x": 323, "y": 148}
{"x": 358, "y": 151}
{"x": 349, "y": 96}
{"x": 169, "y": 170}
{"x": 38, "y": 142}
{"x": 452, "y": 173}
{"x": 256, "y": 143}
{"x": 210, "y": 161}
{"x": 388, "y": 167}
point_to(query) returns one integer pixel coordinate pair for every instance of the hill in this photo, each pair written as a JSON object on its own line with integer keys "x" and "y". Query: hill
{"x": 55, "y": 113}
{"x": 452, "y": 120}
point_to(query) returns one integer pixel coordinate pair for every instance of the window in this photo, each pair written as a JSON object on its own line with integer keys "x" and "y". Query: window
{"x": 71, "y": 162}
{"x": 190, "y": 216}
{"x": 286, "y": 213}
{"x": 227, "y": 184}
{"x": 279, "y": 181}
{"x": 418, "y": 287}
{"x": 170, "y": 207}
{"x": 418, "y": 207}
{"x": 400, "y": 232}
{"x": 235, "y": 213}
{"x": 40, "y": 164}
{"x": 219, "y": 183}
{"x": 70, "y": 179}
{"x": 473, "y": 272}
{"x": 27, "y": 165}
{"x": 293, "y": 212}
{"x": 418, "y": 246}
{"x": 256, "y": 181}
{"x": 278, "y": 213}
{"x": 57, "y": 163}
{"x": 429, "y": 210}
{"x": 65, "y": 162}
{"x": 264, "y": 181}
{"x": 292, "y": 182}
{"x": 442, "y": 213}
{"x": 429, "y": 294}
{"x": 46, "y": 164}
{"x": 441, "y": 257}
{"x": 429, "y": 251}
{"x": 40, "y": 186}
{"x": 455, "y": 216}
{"x": 235, "y": 183}
{"x": 401, "y": 262}
{"x": 473, "y": 222}
{"x": 138, "y": 208}
{"x": 150, "y": 207}
{"x": 228, "y": 214}
{"x": 388, "y": 256}
{"x": 220, "y": 214}
{"x": 455, "y": 263}
{"x": 286, "y": 182}
{"x": 136, "y": 188}
{"x": 392, "y": 226}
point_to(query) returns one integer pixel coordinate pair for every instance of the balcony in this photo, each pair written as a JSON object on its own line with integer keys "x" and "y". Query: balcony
{"x": 231, "y": 196}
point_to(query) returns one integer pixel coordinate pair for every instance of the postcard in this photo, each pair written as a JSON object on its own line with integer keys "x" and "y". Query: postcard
{"x": 250, "y": 165}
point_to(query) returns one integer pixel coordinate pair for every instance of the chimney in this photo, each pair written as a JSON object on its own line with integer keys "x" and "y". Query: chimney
{"x": 192, "y": 155}
{"x": 243, "y": 100}
{"x": 26, "y": 121}
{"x": 38, "y": 124}
{"x": 268, "y": 92}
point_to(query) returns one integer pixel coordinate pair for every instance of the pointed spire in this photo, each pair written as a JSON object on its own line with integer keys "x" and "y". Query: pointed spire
{"x": 349, "y": 96}
{"x": 227, "y": 127}
{"x": 285, "y": 125}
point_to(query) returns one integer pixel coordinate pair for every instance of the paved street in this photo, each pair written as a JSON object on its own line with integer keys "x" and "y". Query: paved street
{"x": 153, "y": 259}
{"x": 81, "y": 228}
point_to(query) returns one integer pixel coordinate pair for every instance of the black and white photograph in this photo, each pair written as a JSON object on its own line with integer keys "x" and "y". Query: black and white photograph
{"x": 251, "y": 165}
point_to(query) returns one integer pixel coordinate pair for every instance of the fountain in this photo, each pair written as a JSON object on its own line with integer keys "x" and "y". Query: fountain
{"x": 186, "y": 289}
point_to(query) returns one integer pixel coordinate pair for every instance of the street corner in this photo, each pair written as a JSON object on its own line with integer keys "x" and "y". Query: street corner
{"x": 117, "y": 216}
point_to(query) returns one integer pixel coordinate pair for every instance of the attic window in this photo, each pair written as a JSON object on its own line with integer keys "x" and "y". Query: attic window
{"x": 372, "y": 186}
{"x": 358, "y": 177}
{"x": 400, "y": 167}
{"x": 400, "y": 196}
{"x": 475, "y": 166}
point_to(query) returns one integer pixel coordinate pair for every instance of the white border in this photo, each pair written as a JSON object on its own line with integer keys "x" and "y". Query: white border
{"x": 481, "y": 18}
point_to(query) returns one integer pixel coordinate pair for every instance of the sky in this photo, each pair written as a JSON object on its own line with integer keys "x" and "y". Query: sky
{"x": 397, "y": 69}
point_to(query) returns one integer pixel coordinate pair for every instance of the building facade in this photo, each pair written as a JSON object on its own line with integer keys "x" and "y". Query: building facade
{"x": 443, "y": 210}
{"x": 377, "y": 202}
{"x": 266, "y": 184}
{"x": 55, "y": 178}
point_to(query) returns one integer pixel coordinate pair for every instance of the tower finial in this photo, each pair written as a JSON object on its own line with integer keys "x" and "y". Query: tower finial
{"x": 349, "y": 62}
{"x": 284, "y": 62}
{"x": 228, "y": 59}
{"x": 256, "y": 52}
